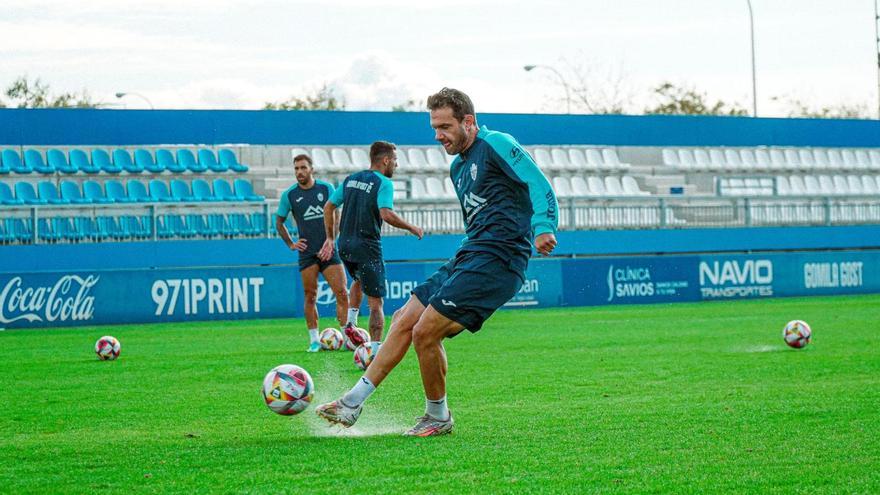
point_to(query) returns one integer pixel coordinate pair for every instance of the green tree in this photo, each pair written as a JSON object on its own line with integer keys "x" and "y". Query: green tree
{"x": 24, "y": 93}
{"x": 675, "y": 100}
{"x": 799, "y": 108}
{"x": 406, "y": 106}
{"x": 322, "y": 99}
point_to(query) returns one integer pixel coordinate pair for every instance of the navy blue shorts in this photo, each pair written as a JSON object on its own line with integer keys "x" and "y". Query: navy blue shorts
{"x": 371, "y": 275}
{"x": 470, "y": 287}
{"x": 307, "y": 260}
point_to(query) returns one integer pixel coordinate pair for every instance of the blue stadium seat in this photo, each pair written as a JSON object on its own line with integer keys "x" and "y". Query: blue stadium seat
{"x": 165, "y": 159}
{"x": 25, "y": 192}
{"x": 13, "y": 162}
{"x": 71, "y": 192}
{"x": 49, "y": 192}
{"x": 202, "y": 228}
{"x": 122, "y": 159}
{"x": 223, "y": 191}
{"x": 58, "y": 160}
{"x": 244, "y": 189}
{"x": 180, "y": 191}
{"x": 186, "y": 159}
{"x": 227, "y": 158}
{"x": 217, "y": 221}
{"x": 80, "y": 161}
{"x": 63, "y": 228}
{"x": 95, "y": 193}
{"x": 101, "y": 159}
{"x": 20, "y": 229}
{"x": 113, "y": 230}
{"x": 159, "y": 192}
{"x": 116, "y": 192}
{"x": 6, "y": 196}
{"x": 4, "y": 169}
{"x": 137, "y": 191}
{"x": 33, "y": 159}
{"x": 207, "y": 159}
{"x": 202, "y": 191}
{"x": 144, "y": 159}
{"x": 45, "y": 232}
{"x": 181, "y": 226}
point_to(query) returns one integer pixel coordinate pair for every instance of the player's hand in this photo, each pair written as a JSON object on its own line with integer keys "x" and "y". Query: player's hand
{"x": 299, "y": 245}
{"x": 417, "y": 231}
{"x": 326, "y": 250}
{"x": 545, "y": 243}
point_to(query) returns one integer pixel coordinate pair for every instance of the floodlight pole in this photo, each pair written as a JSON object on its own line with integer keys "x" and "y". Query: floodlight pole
{"x": 754, "y": 83}
{"x": 130, "y": 93}
{"x": 529, "y": 68}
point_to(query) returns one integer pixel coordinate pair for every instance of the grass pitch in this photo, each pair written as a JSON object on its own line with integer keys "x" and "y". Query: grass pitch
{"x": 644, "y": 399}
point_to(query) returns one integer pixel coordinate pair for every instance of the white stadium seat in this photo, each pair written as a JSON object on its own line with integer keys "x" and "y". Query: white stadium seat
{"x": 597, "y": 187}
{"x": 562, "y": 187}
{"x": 874, "y": 155}
{"x": 686, "y": 159}
{"x": 716, "y": 159}
{"x": 543, "y": 159}
{"x": 863, "y": 160}
{"x": 322, "y": 161}
{"x": 560, "y": 159}
{"x": 749, "y": 162}
{"x": 417, "y": 160}
{"x": 701, "y": 159}
{"x": 360, "y": 158}
{"x": 806, "y": 159}
{"x": 792, "y": 160}
{"x": 435, "y": 188}
{"x": 811, "y": 185}
{"x": 777, "y": 159}
{"x": 579, "y": 186}
{"x": 835, "y": 159}
{"x": 826, "y": 185}
{"x": 609, "y": 156}
{"x": 849, "y": 159}
{"x": 855, "y": 185}
{"x": 417, "y": 188}
{"x": 733, "y": 159}
{"x": 403, "y": 162}
{"x": 341, "y": 159}
{"x": 762, "y": 158}
{"x": 631, "y": 187}
{"x": 820, "y": 158}
{"x": 577, "y": 159}
{"x": 449, "y": 188}
{"x": 436, "y": 160}
{"x": 840, "y": 185}
{"x": 613, "y": 186}
{"x": 782, "y": 186}
{"x": 870, "y": 185}
{"x": 670, "y": 157}
{"x": 798, "y": 188}
{"x": 594, "y": 159}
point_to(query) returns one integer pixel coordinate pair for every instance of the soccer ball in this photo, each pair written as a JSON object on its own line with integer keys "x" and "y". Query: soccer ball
{"x": 365, "y": 353}
{"x": 350, "y": 345}
{"x": 331, "y": 339}
{"x": 107, "y": 348}
{"x": 288, "y": 389}
{"x": 797, "y": 334}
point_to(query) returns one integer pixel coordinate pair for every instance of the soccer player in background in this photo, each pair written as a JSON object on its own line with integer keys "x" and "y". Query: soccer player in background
{"x": 368, "y": 197}
{"x": 305, "y": 202}
{"x": 507, "y": 203}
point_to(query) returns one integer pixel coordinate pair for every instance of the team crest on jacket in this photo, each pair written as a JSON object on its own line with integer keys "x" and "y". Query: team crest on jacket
{"x": 473, "y": 171}
{"x": 320, "y": 196}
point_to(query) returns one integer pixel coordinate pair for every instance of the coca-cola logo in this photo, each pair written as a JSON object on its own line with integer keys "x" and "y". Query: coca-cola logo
{"x": 67, "y": 300}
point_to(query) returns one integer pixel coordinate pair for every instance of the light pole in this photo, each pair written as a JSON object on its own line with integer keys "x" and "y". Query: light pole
{"x": 754, "y": 84}
{"x": 130, "y": 93}
{"x": 529, "y": 68}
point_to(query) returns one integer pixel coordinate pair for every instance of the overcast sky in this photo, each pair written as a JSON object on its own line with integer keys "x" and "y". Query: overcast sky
{"x": 375, "y": 54}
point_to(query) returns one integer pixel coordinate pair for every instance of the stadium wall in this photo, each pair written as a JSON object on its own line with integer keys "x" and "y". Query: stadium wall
{"x": 112, "y": 283}
{"x": 78, "y": 127}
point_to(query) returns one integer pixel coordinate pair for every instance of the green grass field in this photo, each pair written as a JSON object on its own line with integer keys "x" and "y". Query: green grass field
{"x": 643, "y": 399}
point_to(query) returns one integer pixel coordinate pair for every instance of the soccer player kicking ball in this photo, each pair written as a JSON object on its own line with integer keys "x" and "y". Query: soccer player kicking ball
{"x": 305, "y": 202}
{"x": 506, "y": 202}
{"x": 368, "y": 197}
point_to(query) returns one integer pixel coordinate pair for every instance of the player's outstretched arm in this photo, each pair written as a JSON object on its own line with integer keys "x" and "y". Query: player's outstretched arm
{"x": 395, "y": 220}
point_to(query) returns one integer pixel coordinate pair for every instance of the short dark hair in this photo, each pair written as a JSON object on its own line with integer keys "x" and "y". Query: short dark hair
{"x": 459, "y": 102}
{"x": 380, "y": 149}
{"x": 303, "y": 157}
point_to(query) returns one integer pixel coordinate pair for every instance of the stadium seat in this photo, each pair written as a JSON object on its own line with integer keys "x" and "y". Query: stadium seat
{"x": 19, "y": 229}
{"x": 841, "y": 186}
{"x": 361, "y": 160}
{"x": 716, "y": 160}
{"x": 579, "y": 186}
{"x": 613, "y": 186}
{"x": 798, "y": 187}
{"x": 187, "y": 160}
{"x": 733, "y": 159}
{"x": 200, "y": 226}
{"x": 806, "y": 159}
{"x": 180, "y": 191}
{"x": 166, "y": 161}
{"x": 631, "y": 187}
{"x": 12, "y": 161}
{"x": 543, "y": 159}
{"x": 322, "y": 161}
{"x": 855, "y": 185}
{"x": 229, "y": 160}
{"x": 862, "y": 159}
{"x": 562, "y": 187}
{"x": 95, "y": 193}
{"x": 58, "y": 160}
{"x": 341, "y": 159}
{"x": 870, "y": 185}
{"x": 436, "y": 160}
{"x": 778, "y": 160}
{"x": 159, "y": 192}
{"x": 49, "y": 192}
{"x": 116, "y": 192}
{"x": 749, "y": 162}
{"x": 874, "y": 156}
{"x": 244, "y": 189}
{"x": 782, "y": 186}
{"x": 594, "y": 159}
{"x": 609, "y": 156}
{"x": 217, "y": 221}
{"x": 670, "y": 157}
{"x": 144, "y": 159}
{"x": 122, "y": 159}
{"x": 80, "y": 161}
{"x": 33, "y": 159}
{"x": 132, "y": 227}
{"x": 702, "y": 160}
{"x": 417, "y": 160}
{"x": 45, "y": 231}
{"x": 560, "y": 160}
{"x": 577, "y": 160}
{"x": 137, "y": 191}
{"x": 207, "y": 159}
{"x": 71, "y": 192}
{"x": 835, "y": 159}
{"x": 25, "y": 192}
{"x": 6, "y": 196}
{"x": 849, "y": 159}
{"x": 417, "y": 188}
{"x": 201, "y": 191}
{"x": 434, "y": 188}
{"x": 101, "y": 159}
{"x": 792, "y": 159}
{"x": 597, "y": 187}
{"x": 4, "y": 169}
{"x": 820, "y": 159}
{"x": 763, "y": 160}
{"x": 686, "y": 159}
{"x": 402, "y": 163}
{"x": 826, "y": 186}
{"x": 449, "y": 187}
{"x": 223, "y": 191}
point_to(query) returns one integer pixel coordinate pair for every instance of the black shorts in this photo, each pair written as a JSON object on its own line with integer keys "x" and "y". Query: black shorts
{"x": 470, "y": 287}
{"x": 371, "y": 275}
{"x": 307, "y": 260}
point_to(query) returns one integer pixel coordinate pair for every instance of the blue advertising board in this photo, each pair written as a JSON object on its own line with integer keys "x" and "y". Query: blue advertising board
{"x": 96, "y": 297}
